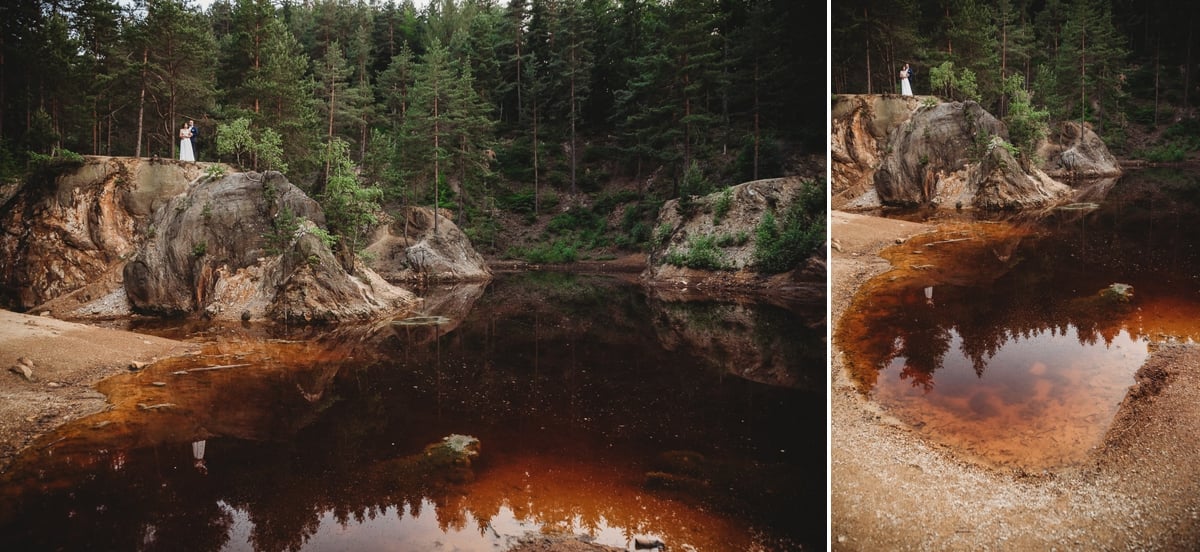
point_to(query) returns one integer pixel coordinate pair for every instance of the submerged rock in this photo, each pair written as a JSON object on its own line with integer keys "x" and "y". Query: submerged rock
{"x": 446, "y": 462}
{"x": 1121, "y": 293}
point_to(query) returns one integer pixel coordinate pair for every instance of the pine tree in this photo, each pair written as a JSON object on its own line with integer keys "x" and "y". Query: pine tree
{"x": 180, "y": 65}
{"x": 426, "y": 129}
{"x": 285, "y": 95}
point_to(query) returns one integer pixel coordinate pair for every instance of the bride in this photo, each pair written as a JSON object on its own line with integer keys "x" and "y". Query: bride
{"x": 185, "y": 144}
{"x": 905, "y": 88}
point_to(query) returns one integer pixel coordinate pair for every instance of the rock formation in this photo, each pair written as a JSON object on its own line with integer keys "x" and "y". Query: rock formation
{"x": 408, "y": 250}
{"x": 62, "y": 232}
{"x": 1071, "y": 153}
{"x": 249, "y": 246}
{"x": 908, "y": 152}
{"x": 734, "y": 236}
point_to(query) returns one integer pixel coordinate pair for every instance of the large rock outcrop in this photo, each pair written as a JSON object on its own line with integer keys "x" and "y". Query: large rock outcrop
{"x": 733, "y": 236}
{"x": 890, "y": 151}
{"x": 861, "y": 126}
{"x": 64, "y": 231}
{"x": 408, "y": 250}
{"x": 248, "y": 246}
{"x": 1075, "y": 151}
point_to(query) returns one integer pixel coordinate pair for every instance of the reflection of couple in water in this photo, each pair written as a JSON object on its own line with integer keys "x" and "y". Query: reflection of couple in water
{"x": 198, "y": 457}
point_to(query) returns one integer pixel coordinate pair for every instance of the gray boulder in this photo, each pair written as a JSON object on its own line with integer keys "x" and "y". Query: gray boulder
{"x": 1001, "y": 183}
{"x": 1075, "y": 151}
{"x": 251, "y": 243}
{"x": 936, "y": 140}
{"x": 408, "y": 250}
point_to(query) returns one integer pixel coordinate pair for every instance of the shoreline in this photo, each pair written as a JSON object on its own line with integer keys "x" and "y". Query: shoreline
{"x": 892, "y": 490}
{"x": 68, "y": 360}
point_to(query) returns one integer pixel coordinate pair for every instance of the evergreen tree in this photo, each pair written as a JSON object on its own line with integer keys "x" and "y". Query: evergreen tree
{"x": 285, "y": 95}
{"x": 427, "y": 132}
{"x": 180, "y": 66}
{"x": 1090, "y": 60}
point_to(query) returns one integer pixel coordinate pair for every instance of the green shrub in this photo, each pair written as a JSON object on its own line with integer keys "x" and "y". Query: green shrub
{"x": 283, "y": 228}
{"x": 558, "y": 251}
{"x": 702, "y": 253}
{"x": 606, "y": 202}
{"x": 721, "y": 205}
{"x": 1163, "y": 153}
{"x": 780, "y": 248}
{"x": 732, "y": 240}
{"x": 517, "y": 202}
{"x": 575, "y": 219}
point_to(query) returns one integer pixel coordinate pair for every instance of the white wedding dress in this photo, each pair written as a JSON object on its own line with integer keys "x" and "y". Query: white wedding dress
{"x": 905, "y": 88}
{"x": 185, "y": 147}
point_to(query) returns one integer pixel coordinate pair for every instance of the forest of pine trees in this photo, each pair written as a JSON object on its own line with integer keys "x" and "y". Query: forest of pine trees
{"x": 469, "y": 104}
{"x": 1127, "y": 68}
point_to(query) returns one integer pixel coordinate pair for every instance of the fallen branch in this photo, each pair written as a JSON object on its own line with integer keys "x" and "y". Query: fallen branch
{"x": 948, "y": 241}
{"x": 209, "y": 368}
{"x": 142, "y": 406}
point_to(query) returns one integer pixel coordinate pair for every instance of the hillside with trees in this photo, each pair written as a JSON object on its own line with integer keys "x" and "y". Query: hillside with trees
{"x": 1129, "y": 69}
{"x": 569, "y": 122}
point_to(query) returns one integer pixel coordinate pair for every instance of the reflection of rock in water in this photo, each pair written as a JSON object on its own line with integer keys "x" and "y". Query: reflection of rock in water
{"x": 745, "y": 340}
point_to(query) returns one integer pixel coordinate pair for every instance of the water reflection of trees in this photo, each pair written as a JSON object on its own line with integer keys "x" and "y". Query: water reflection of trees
{"x": 1050, "y": 285}
{"x": 555, "y": 366}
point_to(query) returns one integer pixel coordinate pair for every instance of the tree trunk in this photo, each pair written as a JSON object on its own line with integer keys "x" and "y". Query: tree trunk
{"x": 756, "y": 113}
{"x": 537, "y": 198}
{"x": 867, "y": 50}
{"x": 1157, "y": 43}
{"x": 436, "y": 161}
{"x": 1082, "y": 84}
{"x": 572, "y": 100}
{"x": 137, "y": 150}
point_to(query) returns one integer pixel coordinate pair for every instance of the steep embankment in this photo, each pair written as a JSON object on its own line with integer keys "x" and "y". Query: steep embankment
{"x": 716, "y": 237}
{"x": 118, "y": 236}
{"x": 909, "y": 151}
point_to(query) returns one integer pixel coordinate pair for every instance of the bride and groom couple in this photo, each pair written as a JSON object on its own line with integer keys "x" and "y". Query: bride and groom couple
{"x": 187, "y": 137}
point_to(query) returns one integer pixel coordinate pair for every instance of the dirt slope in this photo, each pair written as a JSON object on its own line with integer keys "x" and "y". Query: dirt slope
{"x": 68, "y": 359}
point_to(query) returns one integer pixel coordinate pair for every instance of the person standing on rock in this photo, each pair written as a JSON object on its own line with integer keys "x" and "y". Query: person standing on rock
{"x": 905, "y": 88}
{"x": 185, "y": 144}
{"x": 195, "y": 143}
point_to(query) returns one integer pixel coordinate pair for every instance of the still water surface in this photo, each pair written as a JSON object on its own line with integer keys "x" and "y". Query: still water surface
{"x": 991, "y": 336}
{"x": 600, "y": 411}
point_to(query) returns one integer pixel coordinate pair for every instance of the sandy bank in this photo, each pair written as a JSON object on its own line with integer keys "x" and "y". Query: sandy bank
{"x": 892, "y": 490}
{"x": 68, "y": 359}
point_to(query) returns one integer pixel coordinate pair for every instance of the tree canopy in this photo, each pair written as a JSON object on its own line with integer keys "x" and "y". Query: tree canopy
{"x": 464, "y": 103}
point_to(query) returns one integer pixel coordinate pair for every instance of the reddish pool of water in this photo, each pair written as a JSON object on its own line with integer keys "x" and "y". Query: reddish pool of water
{"x": 992, "y": 337}
{"x": 601, "y": 411}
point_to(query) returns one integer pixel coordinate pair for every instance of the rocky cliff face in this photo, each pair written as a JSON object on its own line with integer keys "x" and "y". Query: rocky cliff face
{"x": 1074, "y": 151}
{"x": 905, "y": 151}
{"x": 734, "y": 235}
{"x": 123, "y": 235}
{"x": 65, "y": 232}
{"x": 248, "y": 246}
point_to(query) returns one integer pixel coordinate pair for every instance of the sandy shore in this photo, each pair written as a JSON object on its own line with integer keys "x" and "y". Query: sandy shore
{"x": 67, "y": 360}
{"x": 892, "y": 490}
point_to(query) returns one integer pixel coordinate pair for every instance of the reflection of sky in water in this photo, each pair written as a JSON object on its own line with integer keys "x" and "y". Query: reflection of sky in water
{"x": 1043, "y": 399}
{"x": 1022, "y": 360}
{"x": 396, "y": 528}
